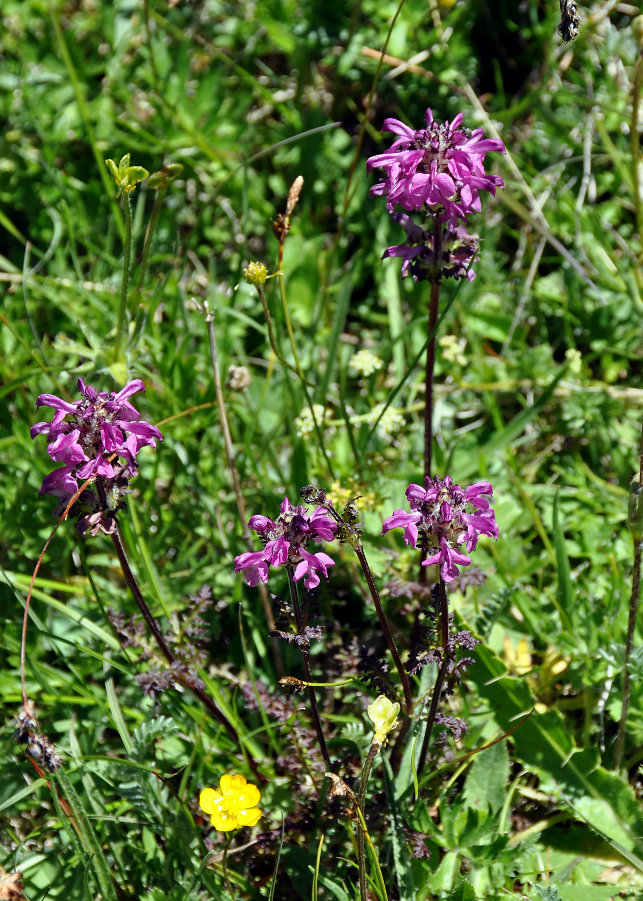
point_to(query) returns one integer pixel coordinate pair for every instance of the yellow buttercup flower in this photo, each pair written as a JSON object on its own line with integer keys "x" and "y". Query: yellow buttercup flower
{"x": 233, "y": 804}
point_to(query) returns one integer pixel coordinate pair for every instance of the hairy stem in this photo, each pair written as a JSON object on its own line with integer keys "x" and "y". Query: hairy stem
{"x": 127, "y": 255}
{"x": 439, "y": 681}
{"x": 299, "y": 622}
{"x": 434, "y": 306}
{"x": 388, "y": 635}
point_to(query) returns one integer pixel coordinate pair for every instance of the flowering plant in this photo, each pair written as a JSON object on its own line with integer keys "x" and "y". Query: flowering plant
{"x": 439, "y": 513}
{"x": 285, "y": 542}
{"x": 85, "y": 433}
{"x": 89, "y": 436}
{"x": 439, "y": 168}
{"x": 233, "y": 804}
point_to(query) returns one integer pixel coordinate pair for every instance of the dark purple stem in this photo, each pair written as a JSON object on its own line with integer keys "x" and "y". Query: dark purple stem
{"x": 388, "y": 635}
{"x": 165, "y": 650}
{"x": 434, "y": 306}
{"x": 439, "y": 682}
{"x": 299, "y": 622}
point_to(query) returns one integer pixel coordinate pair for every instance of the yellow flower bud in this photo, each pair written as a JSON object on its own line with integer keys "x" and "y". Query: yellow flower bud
{"x": 255, "y": 274}
{"x": 383, "y": 714}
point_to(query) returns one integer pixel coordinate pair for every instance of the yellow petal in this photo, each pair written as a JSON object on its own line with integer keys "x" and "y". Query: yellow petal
{"x": 209, "y": 800}
{"x": 248, "y": 796}
{"x": 229, "y": 783}
{"x": 249, "y": 817}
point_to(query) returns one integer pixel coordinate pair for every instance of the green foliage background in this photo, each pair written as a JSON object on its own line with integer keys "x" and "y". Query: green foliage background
{"x": 543, "y": 399}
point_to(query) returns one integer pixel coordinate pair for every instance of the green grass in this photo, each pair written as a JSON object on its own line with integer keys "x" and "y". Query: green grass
{"x": 543, "y": 399}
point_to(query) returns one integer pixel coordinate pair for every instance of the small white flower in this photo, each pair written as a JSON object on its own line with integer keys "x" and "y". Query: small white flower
{"x": 453, "y": 349}
{"x": 304, "y": 423}
{"x": 390, "y": 424}
{"x": 364, "y": 363}
{"x": 574, "y": 360}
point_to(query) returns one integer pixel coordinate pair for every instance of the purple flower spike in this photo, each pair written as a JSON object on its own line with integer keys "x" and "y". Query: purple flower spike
{"x": 439, "y": 512}
{"x": 439, "y": 169}
{"x": 83, "y": 435}
{"x": 285, "y": 542}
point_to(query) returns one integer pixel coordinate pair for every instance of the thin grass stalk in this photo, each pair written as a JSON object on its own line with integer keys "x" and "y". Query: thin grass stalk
{"x": 236, "y": 483}
{"x": 304, "y": 383}
{"x": 127, "y": 255}
{"x": 634, "y": 524}
{"x": 299, "y": 622}
{"x": 637, "y": 88}
{"x": 149, "y": 234}
{"x": 273, "y": 340}
{"x": 87, "y": 837}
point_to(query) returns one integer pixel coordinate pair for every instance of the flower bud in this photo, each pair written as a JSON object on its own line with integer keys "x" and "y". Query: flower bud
{"x": 255, "y": 274}
{"x": 383, "y": 714}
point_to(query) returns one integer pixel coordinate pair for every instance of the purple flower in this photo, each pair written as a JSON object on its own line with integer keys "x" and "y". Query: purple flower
{"x": 85, "y": 433}
{"x": 439, "y": 513}
{"x": 457, "y": 252}
{"x": 439, "y": 169}
{"x": 285, "y": 542}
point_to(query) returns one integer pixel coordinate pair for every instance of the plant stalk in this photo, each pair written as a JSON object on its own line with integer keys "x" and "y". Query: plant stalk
{"x": 439, "y": 681}
{"x": 434, "y": 306}
{"x": 361, "y": 798}
{"x": 149, "y": 234}
{"x": 127, "y": 256}
{"x": 236, "y": 482}
{"x": 299, "y": 622}
{"x": 152, "y": 625}
{"x": 388, "y": 635}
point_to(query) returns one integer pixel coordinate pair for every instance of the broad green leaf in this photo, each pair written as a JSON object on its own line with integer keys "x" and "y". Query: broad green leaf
{"x": 486, "y": 781}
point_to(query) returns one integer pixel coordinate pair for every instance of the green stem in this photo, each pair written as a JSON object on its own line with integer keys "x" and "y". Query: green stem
{"x": 149, "y": 234}
{"x": 299, "y": 622}
{"x": 361, "y": 798}
{"x": 631, "y": 626}
{"x": 127, "y": 254}
{"x": 637, "y": 85}
{"x": 273, "y": 341}
{"x": 236, "y": 483}
{"x": 388, "y": 635}
{"x": 300, "y": 373}
{"x": 225, "y": 864}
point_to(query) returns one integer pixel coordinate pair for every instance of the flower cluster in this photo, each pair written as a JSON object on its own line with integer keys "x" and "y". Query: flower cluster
{"x": 439, "y": 514}
{"x": 439, "y": 171}
{"x": 440, "y": 167}
{"x": 98, "y": 435}
{"x": 233, "y": 804}
{"x": 285, "y": 542}
{"x": 424, "y": 262}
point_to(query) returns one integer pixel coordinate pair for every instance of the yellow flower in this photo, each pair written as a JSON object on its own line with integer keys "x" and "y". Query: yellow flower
{"x": 233, "y": 804}
{"x": 383, "y": 714}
